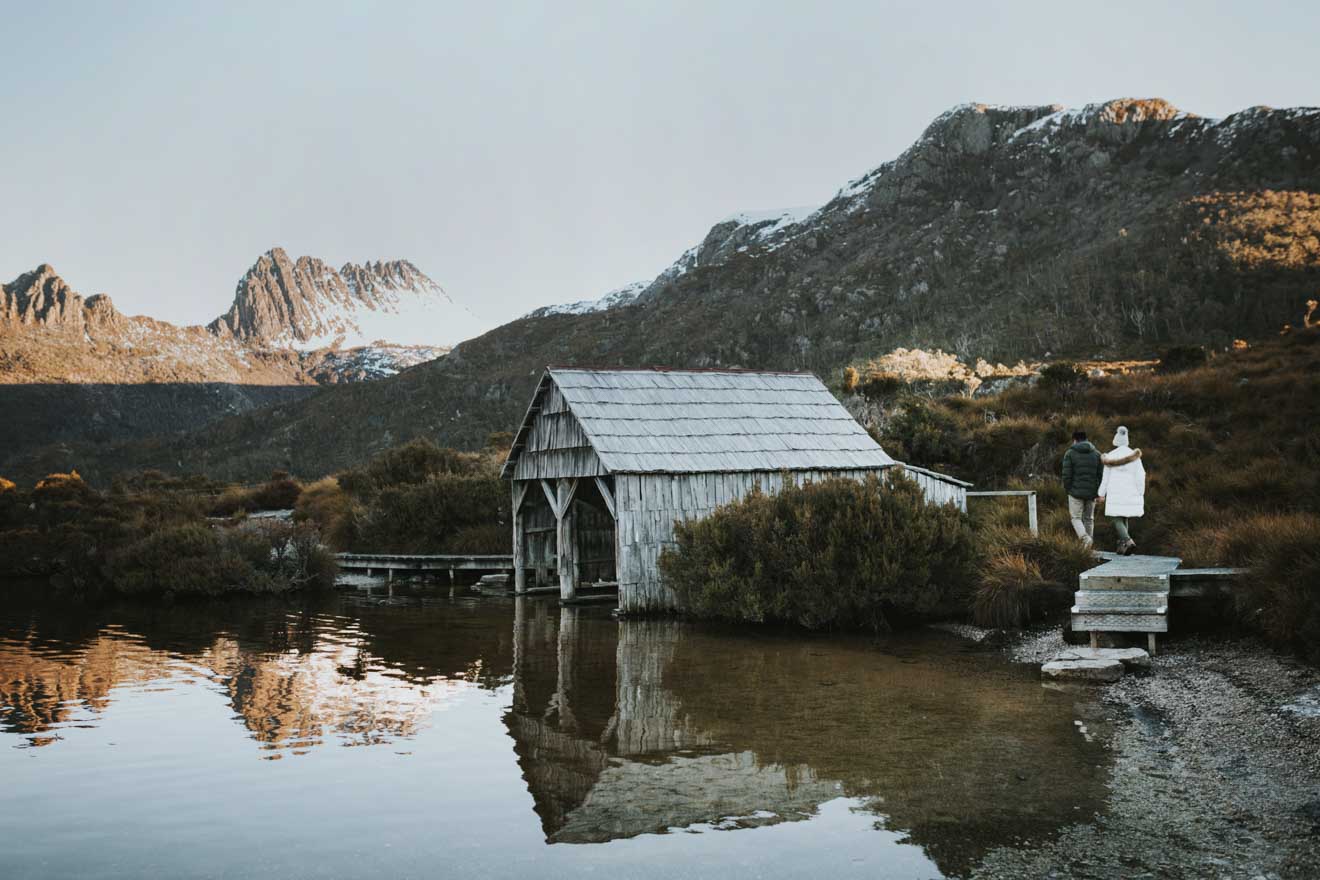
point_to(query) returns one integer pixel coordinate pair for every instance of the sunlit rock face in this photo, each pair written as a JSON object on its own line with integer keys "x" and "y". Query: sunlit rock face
{"x": 306, "y": 304}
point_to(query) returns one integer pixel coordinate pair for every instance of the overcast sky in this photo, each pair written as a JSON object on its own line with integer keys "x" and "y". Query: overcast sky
{"x": 524, "y": 154}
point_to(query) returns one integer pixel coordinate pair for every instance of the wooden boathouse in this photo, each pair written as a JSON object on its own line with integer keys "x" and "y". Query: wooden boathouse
{"x": 605, "y": 461}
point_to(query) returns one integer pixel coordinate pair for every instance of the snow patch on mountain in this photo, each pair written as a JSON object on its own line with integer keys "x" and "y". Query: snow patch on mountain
{"x": 305, "y": 304}
{"x": 620, "y": 296}
{"x": 422, "y": 315}
{"x": 769, "y": 223}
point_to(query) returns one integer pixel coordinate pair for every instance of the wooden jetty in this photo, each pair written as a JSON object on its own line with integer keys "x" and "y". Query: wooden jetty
{"x": 392, "y": 562}
{"x": 1131, "y": 593}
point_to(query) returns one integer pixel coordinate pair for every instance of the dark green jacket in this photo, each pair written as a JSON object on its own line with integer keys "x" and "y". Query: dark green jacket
{"x": 1082, "y": 470}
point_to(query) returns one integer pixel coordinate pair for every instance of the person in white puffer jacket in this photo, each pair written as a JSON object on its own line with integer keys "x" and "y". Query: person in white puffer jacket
{"x": 1123, "y": 489}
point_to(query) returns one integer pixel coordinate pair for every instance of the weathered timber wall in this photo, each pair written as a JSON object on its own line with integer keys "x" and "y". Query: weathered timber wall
{"x": 556, "y": 445}
{"x": 940, "y": 491}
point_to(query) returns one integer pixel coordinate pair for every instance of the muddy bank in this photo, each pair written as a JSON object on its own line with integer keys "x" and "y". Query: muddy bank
{"x": 1216, "y": 772}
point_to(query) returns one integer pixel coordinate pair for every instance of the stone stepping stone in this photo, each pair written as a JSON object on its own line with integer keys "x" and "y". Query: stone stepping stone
{"x": 1131, "y": 658}
{"x": 1095, "y": 671}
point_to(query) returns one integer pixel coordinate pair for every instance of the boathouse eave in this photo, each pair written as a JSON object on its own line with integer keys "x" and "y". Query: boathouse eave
{"x": 520, "y": 439}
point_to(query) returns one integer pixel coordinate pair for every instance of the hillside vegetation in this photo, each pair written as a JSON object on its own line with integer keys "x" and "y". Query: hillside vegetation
{"x": 1003, "y": 233}
{"x": 1231, "y": 448}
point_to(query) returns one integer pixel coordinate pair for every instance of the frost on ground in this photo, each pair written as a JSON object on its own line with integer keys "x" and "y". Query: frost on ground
{"x": 1215, "y": 774}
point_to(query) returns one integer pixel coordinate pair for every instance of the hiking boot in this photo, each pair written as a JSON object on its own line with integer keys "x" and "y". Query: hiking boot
{"x": 1130, "y": 548}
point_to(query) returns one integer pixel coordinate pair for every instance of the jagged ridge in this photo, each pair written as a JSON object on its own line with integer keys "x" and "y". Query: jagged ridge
{"x": 306, "y": 304}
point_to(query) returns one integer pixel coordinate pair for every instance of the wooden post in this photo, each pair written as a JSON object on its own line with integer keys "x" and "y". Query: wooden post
{"x": 1150, "y": 643}
{"x": 1095, "y": 640}
{"x": 519, "y": 539}
{"x": 1032, "y": 522}
{"x": 566, "y": 538}
{"x": 566, "y": 667}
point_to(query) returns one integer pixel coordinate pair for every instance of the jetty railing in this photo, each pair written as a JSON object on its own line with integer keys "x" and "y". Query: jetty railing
{"x": 1033, "y": 521}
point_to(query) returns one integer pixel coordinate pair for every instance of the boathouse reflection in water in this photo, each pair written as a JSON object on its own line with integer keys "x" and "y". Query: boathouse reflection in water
{"x": 642, "y": 726}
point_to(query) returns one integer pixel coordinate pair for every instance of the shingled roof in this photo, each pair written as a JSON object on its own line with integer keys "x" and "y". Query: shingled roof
{"x": 701, "y": 421}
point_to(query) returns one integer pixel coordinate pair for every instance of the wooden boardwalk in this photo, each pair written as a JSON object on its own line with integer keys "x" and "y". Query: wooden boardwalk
{"x": 1131, "y": 593}
{"x": 392, "y": 562}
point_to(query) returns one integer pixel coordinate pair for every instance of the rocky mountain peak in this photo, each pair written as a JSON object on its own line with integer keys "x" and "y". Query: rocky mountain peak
{"x": 306, "y": 303}
{"x": 38, "y": 297}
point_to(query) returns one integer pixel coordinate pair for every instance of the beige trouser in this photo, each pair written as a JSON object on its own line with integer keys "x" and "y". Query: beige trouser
{"x": 1082, "y": 513}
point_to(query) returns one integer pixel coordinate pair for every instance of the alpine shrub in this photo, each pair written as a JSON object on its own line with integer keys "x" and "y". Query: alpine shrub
{"x": 837, "y": 553}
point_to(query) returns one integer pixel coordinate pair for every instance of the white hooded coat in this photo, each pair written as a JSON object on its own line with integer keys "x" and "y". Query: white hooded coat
{"x": 1124, "y": 484}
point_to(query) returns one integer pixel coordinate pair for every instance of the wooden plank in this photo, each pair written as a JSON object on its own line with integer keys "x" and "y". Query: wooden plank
{"x": 1032, "y": 523}
{"x": 552, "y": 499}
{"x": 607, "y": 495}
{"x": 519, "y": 538}
{"x": 566, "y": 539}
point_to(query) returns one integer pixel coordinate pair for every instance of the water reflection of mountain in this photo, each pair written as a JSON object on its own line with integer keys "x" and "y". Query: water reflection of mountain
{"x": 643, "y": 726}
{"x": 294, "y": 675}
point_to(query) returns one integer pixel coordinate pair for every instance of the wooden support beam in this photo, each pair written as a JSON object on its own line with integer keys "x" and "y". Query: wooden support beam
{"x": 566, "y": 539}
{"x": 551, "y": 498}
{"x": 605, "y": 493}
{"x": 1032, "y": 522}
{"x": 519, "y": 538}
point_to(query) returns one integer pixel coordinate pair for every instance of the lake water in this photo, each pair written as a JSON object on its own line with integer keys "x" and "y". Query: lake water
{"x": 421, "y": 735}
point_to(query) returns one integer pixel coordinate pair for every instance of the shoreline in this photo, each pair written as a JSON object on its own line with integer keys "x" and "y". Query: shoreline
{"x": 1216, "y": 769}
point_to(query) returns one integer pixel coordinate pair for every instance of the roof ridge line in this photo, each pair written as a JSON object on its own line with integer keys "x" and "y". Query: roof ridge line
{"x": 563, "y": 368}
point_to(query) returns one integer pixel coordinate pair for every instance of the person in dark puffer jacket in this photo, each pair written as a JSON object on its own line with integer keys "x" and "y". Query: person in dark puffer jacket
{"x": 1082, "y": 473}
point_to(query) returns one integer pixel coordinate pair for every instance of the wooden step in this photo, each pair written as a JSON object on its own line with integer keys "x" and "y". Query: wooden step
{"x": 1131, "y": 573}
{"x": 1123, "y": 609}
{"x": 1155, "y": 583}
{"x": 1119, "y": 622}
{"x": 1103, "y": 600}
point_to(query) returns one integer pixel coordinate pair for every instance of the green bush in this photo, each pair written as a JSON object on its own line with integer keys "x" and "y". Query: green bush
{"x": 925, "y": 434}
{"x": 412, "y": 463}
{"x": 193, "y": 558}
{"x": 427, "y": 517}
{"x": 198, "y": 559}
{"x": 837, "y": 553}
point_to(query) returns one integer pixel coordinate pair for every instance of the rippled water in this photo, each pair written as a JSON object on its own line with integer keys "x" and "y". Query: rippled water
{"x": 429, "y": 736}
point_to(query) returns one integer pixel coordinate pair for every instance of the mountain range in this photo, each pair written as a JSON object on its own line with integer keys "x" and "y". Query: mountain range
{"x": 77, "y": 369}
{"x": 1114, "y": 229}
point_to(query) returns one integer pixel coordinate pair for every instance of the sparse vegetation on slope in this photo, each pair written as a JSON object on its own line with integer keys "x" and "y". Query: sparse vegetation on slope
{"x": 1232, "y": 454}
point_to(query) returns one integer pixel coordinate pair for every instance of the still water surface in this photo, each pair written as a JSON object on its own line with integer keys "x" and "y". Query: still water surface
{"x": 429, "y": 736}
